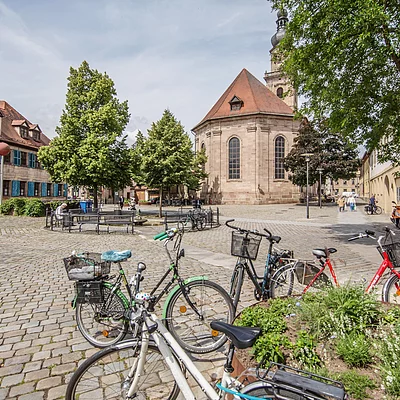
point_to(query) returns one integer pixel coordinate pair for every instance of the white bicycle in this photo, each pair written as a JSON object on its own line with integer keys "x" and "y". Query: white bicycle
{"x": 156, "y": 367}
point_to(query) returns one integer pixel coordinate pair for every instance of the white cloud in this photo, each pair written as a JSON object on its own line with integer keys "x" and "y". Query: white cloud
{"x": 176, "y": 54}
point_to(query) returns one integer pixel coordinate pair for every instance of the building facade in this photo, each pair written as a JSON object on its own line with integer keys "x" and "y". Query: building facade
{"x": 246, "y": 135}
{"x": 23, "y": 175}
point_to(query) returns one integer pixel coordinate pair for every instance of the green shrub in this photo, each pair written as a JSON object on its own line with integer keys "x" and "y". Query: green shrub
{"x": 35, "y": 208}
{"x": 354, "y": 349}
{"x": 304, "y": 351}
{"x": 18, "y": 205}
{"x": 7, "y": 207}
{"x": 271, "y": 346}
{"x": 356, "y": 384}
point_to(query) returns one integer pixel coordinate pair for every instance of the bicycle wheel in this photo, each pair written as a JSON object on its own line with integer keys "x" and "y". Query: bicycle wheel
{"x": 201, "y": 223}
{"x": 368, "y": 210}
{"x": 378, "y": 210}
{"x": 391, "y": 290}
{"x": 236, "y": 284}
{"x": 104, "y": 375}
{"x": 192, "y": 331}
{"x": 262, "y": 390}
{"x": 102, "y": 324}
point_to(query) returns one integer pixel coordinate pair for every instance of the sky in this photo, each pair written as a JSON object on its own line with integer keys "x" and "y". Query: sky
{"x": 175, "y": 54}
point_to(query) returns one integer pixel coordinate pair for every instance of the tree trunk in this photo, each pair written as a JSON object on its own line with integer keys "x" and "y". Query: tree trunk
{"x": 160, "y": 195}
{"x": 95, "y": 200}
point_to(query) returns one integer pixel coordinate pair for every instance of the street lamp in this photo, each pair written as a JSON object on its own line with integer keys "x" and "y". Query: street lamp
{"x": 307, "y": 156}
{"x": 4, "y": 150}
{"x": 320, "y": 186}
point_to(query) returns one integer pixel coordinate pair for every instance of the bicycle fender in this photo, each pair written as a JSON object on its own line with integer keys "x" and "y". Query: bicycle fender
{"x": 108, "y": 285}
{"x": 176, "y": 288}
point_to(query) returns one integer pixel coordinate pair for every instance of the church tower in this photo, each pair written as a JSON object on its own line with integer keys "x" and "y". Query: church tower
{"x": 275, "y": 80}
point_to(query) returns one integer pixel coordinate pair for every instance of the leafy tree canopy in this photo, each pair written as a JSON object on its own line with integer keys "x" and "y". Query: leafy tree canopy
{"x": 344, "y": 56}
{"x": 166, "y": 157}
{"x": 90, "y": 149}
{"x": 330, "y": 151}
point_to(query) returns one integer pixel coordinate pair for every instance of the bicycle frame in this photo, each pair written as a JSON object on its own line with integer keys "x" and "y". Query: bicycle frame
{"x": 171, "y": 351}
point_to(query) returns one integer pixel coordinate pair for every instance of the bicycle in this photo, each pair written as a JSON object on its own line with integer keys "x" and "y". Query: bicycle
{"x": 103, "y": 310}
{"x": 291, "y": 279}
{"x": 197, "y": 219}
{"x": 395, "y": 216}
{"x": 154, "y": 367}
{"x": 373, "y": 209}
{"x": 245, "y": 244}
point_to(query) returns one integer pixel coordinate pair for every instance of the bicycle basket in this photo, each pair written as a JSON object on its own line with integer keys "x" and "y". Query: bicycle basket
{"x": 86, "y": 266}
{"x": 305, "y": 273}
{"x": 89, "y": 292}
{"x": 391, "y": 245}
{"x": 245, "y": 245}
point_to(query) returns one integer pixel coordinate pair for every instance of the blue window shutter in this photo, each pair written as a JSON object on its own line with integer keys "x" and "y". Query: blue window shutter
{"x": 15, "y": 188}
{"x": 17, "y": 157}
{"x": 31, "y": 189}
{"x": 30, "y": 160}
{"x": 55, "y": 189}
{"x": 65, "y": 190}
{"x": 44, "y": 189}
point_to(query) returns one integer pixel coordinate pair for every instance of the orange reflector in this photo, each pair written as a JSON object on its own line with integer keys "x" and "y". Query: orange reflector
{"x": 214, "y": 333}
{"x": 182, "y": 309}
{"x": 105, "y": 333}
{"x": 398, "y": 292}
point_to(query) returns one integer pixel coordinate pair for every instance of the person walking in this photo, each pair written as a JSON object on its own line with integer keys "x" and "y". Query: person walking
{"x": 351, "y": 201}
{"x": 121, "y": 202}
{"x": 341, "y": 202}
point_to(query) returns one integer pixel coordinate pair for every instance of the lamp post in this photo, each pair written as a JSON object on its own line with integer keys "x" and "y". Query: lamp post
{"x": 320, "y": 186}
{"x": 307, "y": 156}
{"x": 4, "y": 150}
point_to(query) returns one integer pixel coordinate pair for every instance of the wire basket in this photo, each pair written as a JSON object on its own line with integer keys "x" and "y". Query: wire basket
{"x": 89, "y": 292}
{"x": 391, "y": 244}
{"x": 86, "y": 266}
{"x": 245, "y": 245}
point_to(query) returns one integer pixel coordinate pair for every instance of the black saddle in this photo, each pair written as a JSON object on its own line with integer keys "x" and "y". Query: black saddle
{"x": 323, "y": 252}
{"x": 242, "y": 337}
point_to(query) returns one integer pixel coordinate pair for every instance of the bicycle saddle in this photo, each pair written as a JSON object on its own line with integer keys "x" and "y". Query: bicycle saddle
{"x": 322, "y": 253}
{"x": 242, "y": 337}
{"x": 115, "y": 256}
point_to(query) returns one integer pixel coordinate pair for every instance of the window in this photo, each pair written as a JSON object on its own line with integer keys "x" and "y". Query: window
{"x": 22, "y": 188}
{"x": 17, "y": 157}
{"x": 23, "y": 130}
{"x": 7, "y": 158}
{"x": 203, "y": 148}
{"x": 279, "y": 92}
{"x": 48, "y": 192}
{"x": 236, "y": 103}
{"x": 36, "y": 135}
{"x": 352, "y": 181}
{"x": 23, "y": 159}
{"x": 36, "y": 189}
{"x": 344, "y": 182}
{"x": 6, "y": 188}
{"x": 279, "y": 157}
{"x": 234, "y": 158}
{"x": 31, "y": 160}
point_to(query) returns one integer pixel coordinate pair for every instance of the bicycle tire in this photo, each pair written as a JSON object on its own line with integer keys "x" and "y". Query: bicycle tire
{"x": 262, "y": 390}
{"x": 378, "y": 210}
{"x": 102, "y": 324}
{"x": 391, "y": 290}
{"x": 201, "y": 223}
{"x": 191, "y": 332}
{"x": 236, "y": 284}
{"x": 110, "y": 366}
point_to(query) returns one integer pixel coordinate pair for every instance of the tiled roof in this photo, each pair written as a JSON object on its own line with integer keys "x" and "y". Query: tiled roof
{"x": 256, "y": 97}
{"x": 10, "y": 118}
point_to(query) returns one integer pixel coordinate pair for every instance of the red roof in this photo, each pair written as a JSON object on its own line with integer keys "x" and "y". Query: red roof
{"x": 256, "y": 98}
{"x": 10, "y": 118}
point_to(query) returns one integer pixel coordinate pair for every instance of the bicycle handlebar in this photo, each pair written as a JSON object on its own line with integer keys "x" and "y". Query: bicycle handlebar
{"x": 361, "y": 235}
{"x": 254, "y": 232}
{"x": 168, "y": 234}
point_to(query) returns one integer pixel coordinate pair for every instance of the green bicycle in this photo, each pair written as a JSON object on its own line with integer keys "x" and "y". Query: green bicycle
{"x": 103, "y": 310}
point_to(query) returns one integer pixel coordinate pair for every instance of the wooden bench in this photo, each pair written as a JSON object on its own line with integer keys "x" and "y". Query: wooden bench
{"x": 108, "y": 220}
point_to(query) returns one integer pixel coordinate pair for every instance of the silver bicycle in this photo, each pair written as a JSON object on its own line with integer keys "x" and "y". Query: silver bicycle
{"x": 156, "y": 367}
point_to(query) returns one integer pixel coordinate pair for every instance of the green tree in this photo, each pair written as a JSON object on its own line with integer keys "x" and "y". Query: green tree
{"x": 90, "y": 149}
{"x": 333, "y": 153}
{"x": 344, "y": 57}
{"x": 166, "y": 157}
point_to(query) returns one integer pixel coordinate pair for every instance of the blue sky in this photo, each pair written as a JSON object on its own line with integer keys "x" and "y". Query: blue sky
{"x": 176, "y": 54}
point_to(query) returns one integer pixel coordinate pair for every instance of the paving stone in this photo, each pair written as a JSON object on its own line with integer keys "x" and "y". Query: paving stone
{"x": 63, "y": 369}
{"x": 22, "y": 389}
{"x": 57, "y": 392}
{"x": 33, "y": 396}
{"x": 12, "y": 380}
{"x": 51, "y": 361}
{"x": 41, "y": 355}
{"x": 48, "y": 383}
{"x": 17, "y": 360}
{"x": 37, "y": 375}
{"x": 14, "y": 339}
{"x": 28, "y": 350}
{"x": 61, "y": 351}
{"x": 22, "y": 344}
{"x": 32, "y": 366}
{"x": 12, "y": 369}
{"x": 4, "y": 393}
{"x": 66, "y": 358}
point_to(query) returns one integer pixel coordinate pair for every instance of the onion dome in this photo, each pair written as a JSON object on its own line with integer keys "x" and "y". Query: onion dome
{"x": 280, "y": 27}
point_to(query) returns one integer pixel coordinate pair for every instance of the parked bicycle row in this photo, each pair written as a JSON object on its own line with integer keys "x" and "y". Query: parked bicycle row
{"x": 196, "y": 317}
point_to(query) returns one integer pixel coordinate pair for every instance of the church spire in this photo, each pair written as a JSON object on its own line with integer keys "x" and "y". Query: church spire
{"x": 280, "y": 27}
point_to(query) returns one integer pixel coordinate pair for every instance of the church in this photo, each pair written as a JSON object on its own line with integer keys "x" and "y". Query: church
{"x": 247, "y": 134}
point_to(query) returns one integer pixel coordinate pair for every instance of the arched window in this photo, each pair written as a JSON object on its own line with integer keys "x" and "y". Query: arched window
{"x": 279, "y": 156}
{"x": 234, "y": 158}
{"x": 203, "y": 149}
{"x": 279, "y": 92}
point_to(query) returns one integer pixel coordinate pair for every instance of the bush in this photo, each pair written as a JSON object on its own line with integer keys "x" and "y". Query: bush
{"x": 7, "y": 207}
{"x": 356, "y": 384}
{"x": 35, "y": 208}
{"x": 354, "y": 349}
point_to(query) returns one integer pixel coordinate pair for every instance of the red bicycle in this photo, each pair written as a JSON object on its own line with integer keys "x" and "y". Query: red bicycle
{"x": 297, "y": 277}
